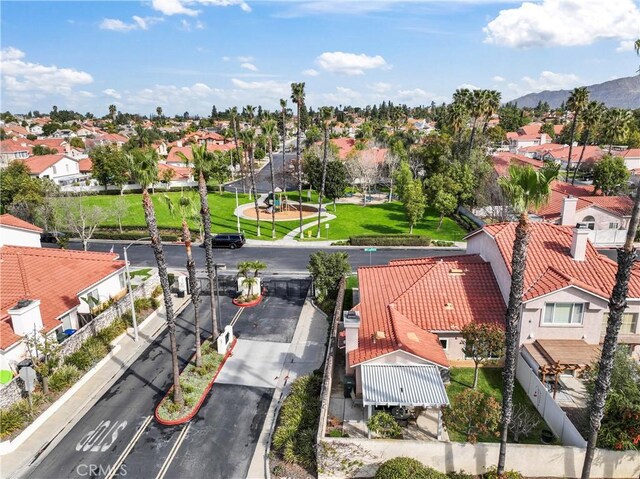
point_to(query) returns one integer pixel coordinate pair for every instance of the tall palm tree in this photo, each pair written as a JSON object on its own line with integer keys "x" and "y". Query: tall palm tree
{"x": 143, "y": 166}
{"x": 493, "y": 103}
{"x": 325, "y": 115}
{"x": 184, "y": 206}
{"x": 478, "y": 102}
{"x": 234, "y": 121}
{"x": 577, "y": 102}
{"x": 200, "y": 164}
{"x": 616, "y": 125}
{"x": 269, "y": 130}
{"x": 457, "y": 118}
{"x": 526, "y": 188}
{"x": 590, "y": 118}
{"x": 250, "y": 111}
{"x": 283, "y": 106}
{"x": 112, "y": 112}
{"x": 617, "y": 305}
{"x": 248, "y": 137}
{"x": 297, "y": 96}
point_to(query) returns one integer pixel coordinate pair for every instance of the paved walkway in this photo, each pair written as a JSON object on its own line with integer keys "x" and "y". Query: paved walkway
{"x": 61, "y": 421}
{"x": 304, "y": 355}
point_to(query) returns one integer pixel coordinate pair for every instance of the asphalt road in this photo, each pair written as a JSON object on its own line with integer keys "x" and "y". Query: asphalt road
{"x": 279, "y": 260}
{"x": 263, "y": 177}
{"x": 219, "y": 442}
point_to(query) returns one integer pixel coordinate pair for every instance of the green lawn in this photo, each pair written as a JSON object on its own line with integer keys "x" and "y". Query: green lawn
{"x": 490, "y": 382}
{"x": 386, "y": 218}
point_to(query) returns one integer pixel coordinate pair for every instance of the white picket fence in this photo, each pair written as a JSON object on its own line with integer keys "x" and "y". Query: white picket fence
{"x": 553, "y": 415}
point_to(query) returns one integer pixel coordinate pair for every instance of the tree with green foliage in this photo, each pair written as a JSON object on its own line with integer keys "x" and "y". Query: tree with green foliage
{"x": 611, "y": 176}
{"x": 547, "y": 128}
{"x": 76, "y": 142}
{"x": 336, "y": 181}
{"x": 577, "y": 102}
{"x": 474, "y": 414}
{"x": 109, "y": 166}
{"x": 512, "y": 117}
{"x": 414, "y": 203}
{"x": 403, "y": 177}
{"x": 44, "y": 351}
{"x": 482, "y": 342}
{"x": 41, "y": 150}
{"x": 326, "y": 270}
{"x": 441, "y": 191}
{"x": 591, "y": 119}
{"x": 407, "y": 468}
{"x": 615, "y": 126}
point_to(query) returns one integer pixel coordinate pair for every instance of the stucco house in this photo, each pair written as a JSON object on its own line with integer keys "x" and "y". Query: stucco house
{"x": 11, "y": 150}
{"x": 62, "y": 169}
{"x": 17, "y": 232}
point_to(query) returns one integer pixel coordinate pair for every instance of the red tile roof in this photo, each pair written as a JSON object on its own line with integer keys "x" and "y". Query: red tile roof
{"x": 173, "y": 157}
{"x": 37, "y": 164}
{"x": 13, "y": 146}
{"x": 58, "y": 144}
{"x": 53, "y": 276}
{"x": 345, "y": 145}
{"x": 618, "y": 205}
{"x": 178, "y": 171}
{"x": 630, "y": 153}
{"x": 503, "y": 159}
{"x": 408, "y": 299}
{"x": 13, "y": 222}
{"x": 550, "y": 265}
{"x": 85, "y": 165}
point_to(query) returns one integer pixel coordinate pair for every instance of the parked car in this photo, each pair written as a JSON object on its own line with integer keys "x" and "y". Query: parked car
{"x": 228, "y": 240}
{"x": 53, "y": 237}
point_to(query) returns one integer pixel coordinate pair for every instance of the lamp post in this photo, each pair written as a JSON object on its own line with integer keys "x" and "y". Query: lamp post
{"x": 216, "y": 267}
{"x": 237, "y": 212}
{"x": 133, "y": 306}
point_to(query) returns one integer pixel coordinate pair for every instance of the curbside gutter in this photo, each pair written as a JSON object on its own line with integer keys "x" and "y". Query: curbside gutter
{"x": 196, "y": 407}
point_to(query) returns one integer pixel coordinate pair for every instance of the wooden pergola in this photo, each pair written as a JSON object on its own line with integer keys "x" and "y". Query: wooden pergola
{"x": 555, "y": 356}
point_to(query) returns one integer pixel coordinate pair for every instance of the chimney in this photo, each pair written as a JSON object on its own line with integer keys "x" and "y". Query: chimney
{"x": 568, "y": 212}
{"x": 25, "y": 315}
{"x": 579, "y": 242}
{"x": 351, "y": 320}
{"x": 179, "y": 143}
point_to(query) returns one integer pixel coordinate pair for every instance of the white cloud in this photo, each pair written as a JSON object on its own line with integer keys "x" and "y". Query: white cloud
{"x": 342, "y": 95}
{"x": 272, "y": 86}
{"x": 139, "y": 23}
{"x": 626, "y": 46}
{"x": 20, "y": 77}
{"x": 183, "y": 7}
{"x": 350, "y": 63}
{"x": 468, "y": 86}
{"x": 546, "y": 81}
{"x": 564, "y": 23}
{"x": 499, "y": 79}
{"x": 414, "y": 96}
{"x": 310, "y": 72}
{"x": 249, "y": 66}
{"x": 244, "y": 59}
{"x": 380, "y": 87}
{"x": 110, "y": 92}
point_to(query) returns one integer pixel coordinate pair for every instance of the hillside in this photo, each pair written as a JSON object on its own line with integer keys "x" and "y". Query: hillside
{"x": 621, "y": 93}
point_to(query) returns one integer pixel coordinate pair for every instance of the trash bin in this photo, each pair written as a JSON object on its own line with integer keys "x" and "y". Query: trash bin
{"x": 24, "y": 363}
{"x": 349, "y": 385}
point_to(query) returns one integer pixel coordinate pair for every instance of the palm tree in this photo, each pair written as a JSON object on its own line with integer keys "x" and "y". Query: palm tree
{"x": 256, "y": 266}
{"x": 143, "y": 166}
{"x": 250, "y": 281}
{"x": 616, "y": 125}
{"x": 269, "y": 130}
{"x": 283, "y": 106}
{"x": 112, "y": 112}
{"x": 200, "y": 164}
{"x": 457, "y": 118}
{"x": 297, "y": 96}
{"x": 577, "y": 102}
{"x": 590, "y": 118}
{"x": 325, "y": 114}
{"x": 234, "y": 120}
{"x": 250, "y": 111}
{"x": 248, "y": 137}
{"x": 478, "y": 102}
{"x": 184, "y": 205}
{"x": 526, "y": 188}
{"x": 493, "y": 103}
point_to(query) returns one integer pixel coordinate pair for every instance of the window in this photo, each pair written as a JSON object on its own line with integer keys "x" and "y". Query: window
{"x": 614, "y": 226}
{"x": 590, "y": 221}
{"x": 123, "y": 283}
{"x": 66, "y": 322}
{"x": 53, "y": 168}
{"x": 444, "y": 343}
{"x": 563, "y": 313}
{"x": 93, "y": 298}
{"x": 629, "y": 323}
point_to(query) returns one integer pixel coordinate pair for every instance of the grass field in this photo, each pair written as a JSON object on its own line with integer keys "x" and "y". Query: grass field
{"x": 386, "y": 218}
{"x": 490, "y": 382}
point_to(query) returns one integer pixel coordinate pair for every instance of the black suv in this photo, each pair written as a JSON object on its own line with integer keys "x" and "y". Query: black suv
{"x": 228, "y": 240}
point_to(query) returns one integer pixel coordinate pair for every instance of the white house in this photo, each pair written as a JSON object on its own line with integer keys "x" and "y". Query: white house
{"x": 62, "y": 169}
{"x": 11, "y": 150}
{"x": 16, "y": 232}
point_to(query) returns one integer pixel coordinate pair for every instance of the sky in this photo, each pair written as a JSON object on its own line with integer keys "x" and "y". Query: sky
{"x": 187, "y": 55}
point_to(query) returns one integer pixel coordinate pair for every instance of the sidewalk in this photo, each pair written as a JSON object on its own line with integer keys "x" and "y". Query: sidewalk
{"x": 306, "y": 354}
{"x": 53, "y": 429}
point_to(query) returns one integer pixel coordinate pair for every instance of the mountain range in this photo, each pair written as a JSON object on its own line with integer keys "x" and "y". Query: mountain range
{"x": 620, "y": 93}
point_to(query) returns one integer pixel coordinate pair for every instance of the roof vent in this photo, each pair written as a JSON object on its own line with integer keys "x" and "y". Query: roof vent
{"x": 23, "y": 303}
{"x": 412, "y": 336}
{"x": 456, "y": 272}
{"x": 380, "y": 335}
{"x": 448, "y": 306}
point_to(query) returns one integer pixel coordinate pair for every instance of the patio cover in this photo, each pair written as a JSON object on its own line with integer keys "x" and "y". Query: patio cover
{"x": 402, "y": 385}
{"x": 556, "y": 355}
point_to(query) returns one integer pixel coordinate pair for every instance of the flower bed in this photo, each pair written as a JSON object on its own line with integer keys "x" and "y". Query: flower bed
{"x": 247, "y": 302}
{"x": 196, "y": 384}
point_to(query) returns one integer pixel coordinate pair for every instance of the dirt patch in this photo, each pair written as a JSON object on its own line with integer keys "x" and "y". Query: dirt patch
{"x": 291, "y": 213}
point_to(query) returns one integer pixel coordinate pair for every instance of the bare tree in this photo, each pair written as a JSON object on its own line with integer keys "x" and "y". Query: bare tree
{"x": 119, "y": 209}
{"x": 391, "y": 162}
{"x": 523, "y": 421}
{"x": 363, "y": 171}
{"x": 81, "y": 218}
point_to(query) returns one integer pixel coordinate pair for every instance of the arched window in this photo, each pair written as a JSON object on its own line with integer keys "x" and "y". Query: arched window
{"x": 590, "y": 221}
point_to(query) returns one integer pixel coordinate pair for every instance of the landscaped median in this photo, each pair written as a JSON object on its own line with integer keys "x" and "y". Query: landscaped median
{"x": 196, "y": 383}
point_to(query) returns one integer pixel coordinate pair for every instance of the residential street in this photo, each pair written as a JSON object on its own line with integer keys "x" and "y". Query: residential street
{"x": 221, "y": 439}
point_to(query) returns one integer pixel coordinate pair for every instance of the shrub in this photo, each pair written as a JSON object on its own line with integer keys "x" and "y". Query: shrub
{"x": 18, "y": 415}
{"x": 406, "y": 468}
{"x": 383, "y": 424}
{"x": 157, "y": 291}
{"x": 492, "y": 473}
{"x": 474, "y": 414}
{"x": 141, "y": 304}
{"x": 459, "y": 475}
{"x": 390, "y": 240}
{"x": 63, "y": 377}
{"x": 80, "y": 359}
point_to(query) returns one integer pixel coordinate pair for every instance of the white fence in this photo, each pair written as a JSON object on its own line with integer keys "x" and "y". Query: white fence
{"x": 611, "y": 237}
{"x": 553, "y": 415}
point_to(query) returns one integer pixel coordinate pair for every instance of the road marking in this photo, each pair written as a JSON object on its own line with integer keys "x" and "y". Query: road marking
{"x": 173, "y": 452}
{"x": 127, "y": 450}
{"x": 236, "y": 317}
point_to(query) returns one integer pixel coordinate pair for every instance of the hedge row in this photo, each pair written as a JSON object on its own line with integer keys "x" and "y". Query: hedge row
{"x": 390, "y": 240}
{"x": 134, "y": 234}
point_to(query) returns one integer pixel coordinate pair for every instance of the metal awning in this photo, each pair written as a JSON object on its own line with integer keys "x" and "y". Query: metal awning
{"x": 402, "y": 385}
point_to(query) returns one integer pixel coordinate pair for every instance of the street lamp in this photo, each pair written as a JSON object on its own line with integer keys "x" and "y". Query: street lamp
{"x": 216, "y": 267}
{"x": 133, "y": 306}
{"x": 237, "y": 212}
